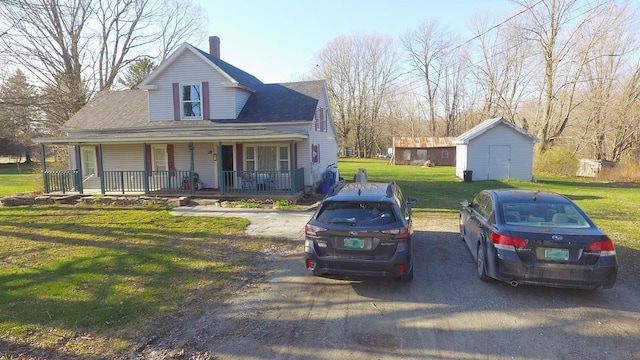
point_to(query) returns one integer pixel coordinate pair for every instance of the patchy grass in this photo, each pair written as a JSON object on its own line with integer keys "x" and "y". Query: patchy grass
{"x": 611, "y": 205}
{"x": 16, "y": 178}
{"x": 89, "y": 279}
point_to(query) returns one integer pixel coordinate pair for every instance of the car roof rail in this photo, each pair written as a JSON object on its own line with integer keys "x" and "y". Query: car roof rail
{"x": 390, "y": 187}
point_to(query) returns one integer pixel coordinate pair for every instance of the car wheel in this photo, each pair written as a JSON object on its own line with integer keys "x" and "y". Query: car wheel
{"x": 407, "y": 277}
{"x": 481, "y": 264}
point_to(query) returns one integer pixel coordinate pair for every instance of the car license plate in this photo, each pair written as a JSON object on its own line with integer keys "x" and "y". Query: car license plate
{"x": 353, "y": 243}
{"x": 556, "y": 254}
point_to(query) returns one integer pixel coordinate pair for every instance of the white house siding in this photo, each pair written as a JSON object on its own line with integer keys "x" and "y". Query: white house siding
{"x": 203, "y": 163}
{"x": 461, "y": 160}
{"x": 242, "y": 96}
{"x": 114, "y": 157}
{"x": 328, "y": 146}
{"x": 479, "y": 149}
{"x": 191, "y": 68}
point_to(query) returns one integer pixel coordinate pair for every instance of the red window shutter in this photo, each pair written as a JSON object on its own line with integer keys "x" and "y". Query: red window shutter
{"x": 149, "y": 163}
{"x": 98, "y": 162}
{"x": 239, "y": 157}
{"x": 205, "y": 101}
{"x": 318, "y": 150}
{"x": 314, "y": 154}
{"x": 171, "y": 159}
{"x": 316, "y": 119}
{"x": 176, "y": 101}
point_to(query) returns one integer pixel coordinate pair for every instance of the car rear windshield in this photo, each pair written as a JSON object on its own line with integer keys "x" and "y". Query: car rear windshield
{"x": 541, "y": 214}
{"x": 356, "y": 213}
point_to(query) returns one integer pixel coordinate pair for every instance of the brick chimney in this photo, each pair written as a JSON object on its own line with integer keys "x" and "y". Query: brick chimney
{"x": 214, "y": 46}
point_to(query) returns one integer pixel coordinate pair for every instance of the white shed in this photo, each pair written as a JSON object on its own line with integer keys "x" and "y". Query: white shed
{"x": 496, "y": 149}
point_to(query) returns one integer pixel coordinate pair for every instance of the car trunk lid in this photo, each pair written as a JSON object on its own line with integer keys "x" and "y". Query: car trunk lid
{"x": 558, "y": 246}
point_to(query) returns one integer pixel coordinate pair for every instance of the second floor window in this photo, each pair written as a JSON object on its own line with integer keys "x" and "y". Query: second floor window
{"x": 191, "y": 98}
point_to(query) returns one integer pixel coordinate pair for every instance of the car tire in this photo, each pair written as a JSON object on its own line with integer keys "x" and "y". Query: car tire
{"x": 407, "y": 277}
{"x": 481, "y": 264}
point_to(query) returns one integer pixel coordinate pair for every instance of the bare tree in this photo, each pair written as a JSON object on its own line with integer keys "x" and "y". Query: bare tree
{"x": 502, "y": 71}
{"x": 427, "y": 47}
{"x": 555, "y": 27}
{"x": 79, "y": 47}
{"x": 612, "y": 41}
{"x": 360, "y": 72}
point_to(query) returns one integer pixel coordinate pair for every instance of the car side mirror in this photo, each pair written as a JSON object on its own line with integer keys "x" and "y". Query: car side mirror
{"x": 411, "y": 201}
{"x": 465, "y": 204}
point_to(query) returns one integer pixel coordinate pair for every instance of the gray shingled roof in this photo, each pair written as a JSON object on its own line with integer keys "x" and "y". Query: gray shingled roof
{"x": 112, "y": 110}
{"x": 128, "y": 109}
{"x": 282, "y": 103}
{"x": 115, "y": 113}
{"x": 242, "y": 77}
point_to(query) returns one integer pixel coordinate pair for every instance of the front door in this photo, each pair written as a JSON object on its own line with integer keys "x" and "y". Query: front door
{"x": 227, "y": 164}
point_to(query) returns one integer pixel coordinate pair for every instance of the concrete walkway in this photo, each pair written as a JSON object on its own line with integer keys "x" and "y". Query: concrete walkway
{"x": 264, "y": 222}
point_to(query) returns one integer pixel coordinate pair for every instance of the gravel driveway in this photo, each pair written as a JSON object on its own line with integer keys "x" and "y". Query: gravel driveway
{"x": 445, "y": 313}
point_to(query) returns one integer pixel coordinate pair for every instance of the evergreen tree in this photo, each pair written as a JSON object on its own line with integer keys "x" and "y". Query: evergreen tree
{"x": 136, "y": 73}
{"x": 19, "y": 116}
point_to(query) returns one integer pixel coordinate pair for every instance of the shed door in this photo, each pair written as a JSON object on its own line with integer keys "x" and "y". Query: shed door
{"x": 499, "y": 162}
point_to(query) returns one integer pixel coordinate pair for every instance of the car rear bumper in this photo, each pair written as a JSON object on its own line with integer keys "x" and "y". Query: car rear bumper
{"x": 603, "y": 274}
{"x": 326, "y": 265}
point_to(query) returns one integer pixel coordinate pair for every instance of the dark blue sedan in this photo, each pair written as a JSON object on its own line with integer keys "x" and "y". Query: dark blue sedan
{"x": 538, "y": 238}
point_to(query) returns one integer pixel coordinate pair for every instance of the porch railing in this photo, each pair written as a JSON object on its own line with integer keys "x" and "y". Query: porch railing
{"x": 62, "y": 181}
{"x": 262, "y": 182}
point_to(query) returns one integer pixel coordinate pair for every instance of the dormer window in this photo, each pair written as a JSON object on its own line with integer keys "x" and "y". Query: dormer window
{"x": 191, "y": 98}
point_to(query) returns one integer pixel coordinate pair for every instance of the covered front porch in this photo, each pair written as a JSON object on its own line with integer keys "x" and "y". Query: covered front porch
{"x": 255, "y": 165}
{"x": 185, "y": 182}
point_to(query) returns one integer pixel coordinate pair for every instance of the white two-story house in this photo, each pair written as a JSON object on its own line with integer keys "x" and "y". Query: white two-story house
{"x": 198, "y": 124}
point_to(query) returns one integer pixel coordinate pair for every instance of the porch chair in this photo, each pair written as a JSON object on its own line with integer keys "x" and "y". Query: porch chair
{"x": 248, "y": 182}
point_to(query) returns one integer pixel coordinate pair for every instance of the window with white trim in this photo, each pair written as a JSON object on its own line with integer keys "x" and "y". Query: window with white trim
{"x": 191, "y": 100}
{"x": 321, "y": 119}
{"x": 89, "y": 162}
{"x": 284, "y": 158}
{"x": 315, "y": 154}
{"x": 159, "y": 158}
{"x": 270, "y": 157}
{"x": 250, "y": 159}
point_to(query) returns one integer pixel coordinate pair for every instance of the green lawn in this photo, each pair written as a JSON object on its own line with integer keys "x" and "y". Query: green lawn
{"x": 90, "y": 279}
{"x": 16, "y": 179}
{"x": 612, "y": 206}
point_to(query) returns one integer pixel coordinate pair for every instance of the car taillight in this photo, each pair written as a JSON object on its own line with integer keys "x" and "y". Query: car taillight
{"x": 312, "y": 230}
{"x": 398, "y": 234}
{"x": 506, "y": 242}
{"x": 604, "y": 247}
